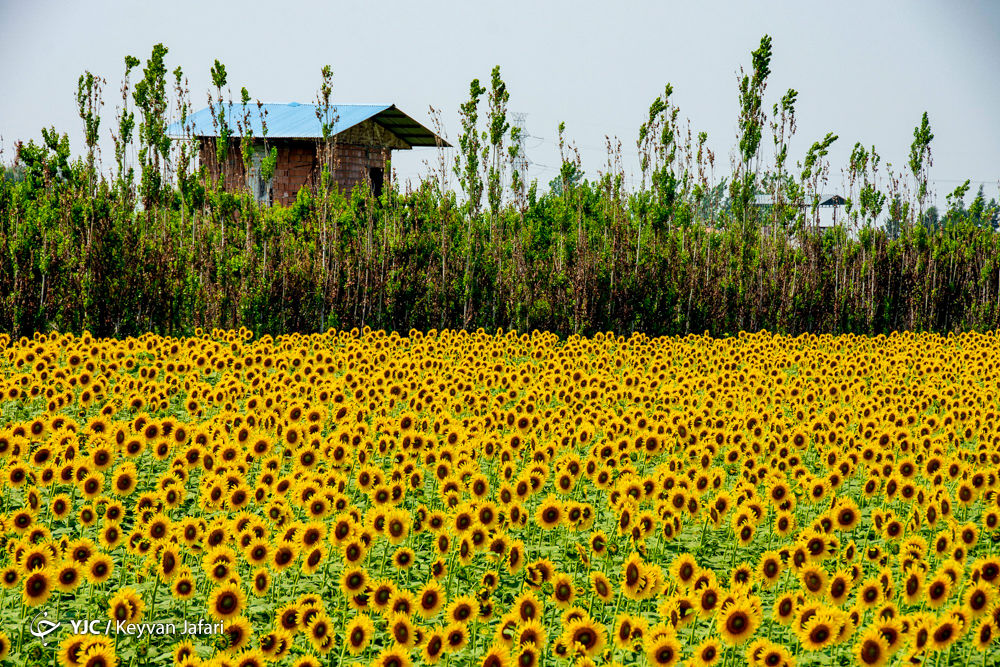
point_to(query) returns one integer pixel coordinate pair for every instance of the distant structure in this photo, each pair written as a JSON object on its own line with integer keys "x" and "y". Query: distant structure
{"x": 829, "y": 204}
{"x": 521, "y": 162}
{"x": 364, "y": 137}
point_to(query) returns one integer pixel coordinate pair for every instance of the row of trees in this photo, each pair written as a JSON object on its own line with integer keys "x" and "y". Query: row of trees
{"x": 160, "y": 244}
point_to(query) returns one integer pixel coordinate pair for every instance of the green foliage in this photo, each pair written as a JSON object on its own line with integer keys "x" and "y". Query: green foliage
{"x": 920, "y": 158}
{"x": 743, "y": 187}
{"x": 123, "y": 137}
{"x": 498, "y": 128}
{"x": 469, "y": 142}
{"x": 88, "y": 96}
{"x": 673, "y": 256}
{"x": 658, "y": 147}
{"x": 219, "y": 117}
{"x": 150, "y": 96}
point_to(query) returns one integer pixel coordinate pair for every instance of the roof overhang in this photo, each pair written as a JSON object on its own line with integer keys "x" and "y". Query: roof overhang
{"x": 302, "y": 121}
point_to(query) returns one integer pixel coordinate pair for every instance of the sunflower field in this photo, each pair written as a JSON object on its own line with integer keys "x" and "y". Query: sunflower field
{"x": 459, "y": 498}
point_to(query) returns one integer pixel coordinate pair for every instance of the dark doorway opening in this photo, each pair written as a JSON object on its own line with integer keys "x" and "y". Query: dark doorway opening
{"x": 376, "y": 175}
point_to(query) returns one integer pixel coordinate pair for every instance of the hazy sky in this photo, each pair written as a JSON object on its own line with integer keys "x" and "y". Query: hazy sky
{"x": 864, "y": 70}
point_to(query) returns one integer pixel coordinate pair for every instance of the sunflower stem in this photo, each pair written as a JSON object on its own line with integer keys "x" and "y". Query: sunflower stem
{"x": 152, "y": 603}
{"x": 20, "y": 639}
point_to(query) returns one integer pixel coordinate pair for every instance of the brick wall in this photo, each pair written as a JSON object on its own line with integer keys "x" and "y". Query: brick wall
{"x": 234, "y": 172}
{"x": 298, "y": 165}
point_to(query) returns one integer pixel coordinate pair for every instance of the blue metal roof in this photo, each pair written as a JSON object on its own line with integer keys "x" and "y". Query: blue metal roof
{"x": 299, "y": 121}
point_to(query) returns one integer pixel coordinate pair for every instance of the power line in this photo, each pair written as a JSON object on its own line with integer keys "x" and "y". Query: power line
{"x": 521, "y": 161}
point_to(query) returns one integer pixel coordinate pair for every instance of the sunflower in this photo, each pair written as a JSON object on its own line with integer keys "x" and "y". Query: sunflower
{"x": 111, "y": 536}
{"x": 397, "y": 526}
{"x": 258, "y": 552}
{"x": 37, "y": 588}
{"x": 71, "y": 649}
{"x": 401, "y": 629}
{"x": 527, "y": 606}
{"x": 599, "y": 543}
{"x": 741, "y": 576}
{"x": 528, "y": 656}
{"x": 61, "y": 506}
{"x": 124, "y": 480}
{"x": 284, "y": 556}
{"x": 237, "y": 633}
{"x": 496, "y": 656}
{"x": 737, "y": 621}
{"x": 126, "y": 606}
{"x": 36, "y": 558}
{"x": 945, "y": 633}
{"x": 913, "y": 586}
{"x": 549, "y": 513}
{"x": 563, "y": 592}
{"x": 819, "y": 632}
{"x": 169, "y": 563}
{"x": 663, "y": 650}
{"x": 817, "y": 490}
{"x": 938, "y": 590}
{"x": 319, "y": 630}
{"x": 274, "y": 645}
{"x": 707, "y": 654}
{"x": 985, "y": 634}
{"x": 870, "y": 594}
{"x": 846, "y": 515}
{"x": 893, "y": 631}
{"x": 434, "y": 646}
{"x": 601, "y": 586}
{"x": 92, "y": 486}
{"x": 506, "y": 630}
{"x": 633, "y": 576}
{"x": 354, "y": 551}
{"x": 353, "y": 580}
{"x": 67, "y": 577}
{"x": 531, "y": 632}
{"x": 226, "y": 602}
{"x": 979, "y": 598}
{"x": 10, "y": 577}
{"x": 814, "y": 580}
{"x": 769, "y": 568}
{"x": 314, "y": 559}
{"x": 430, "y": 599}
{"x": 407, "y": 422}
{"x": 708, "y": 600}
{"x": 456, "y": 637}
{"x": 586, "y": 636}
{"x": 745, "y": 534}
{"x": 684, "y": 569}
{"x": 839, "y": 588}
{"x": 261, "y": 582}
{"x": 380, "y": 594}
{"x": 289, "y": 618}
{"x": 99, "y": 655}
{"x": 404, "y": 558}
{"x": 462, "y": 609}
{"x": 219, "y": 564}
{"x": 515, "y": 556}
{"x": 403, "y": 602}
{"x": 183, "y": 586}
{"x": 622, "y": 635}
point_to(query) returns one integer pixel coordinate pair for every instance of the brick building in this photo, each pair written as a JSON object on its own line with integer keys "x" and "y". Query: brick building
{"x": 363, "y": 138}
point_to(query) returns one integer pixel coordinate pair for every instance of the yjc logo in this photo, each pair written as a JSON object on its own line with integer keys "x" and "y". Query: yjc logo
{"x": 42, "y": 627}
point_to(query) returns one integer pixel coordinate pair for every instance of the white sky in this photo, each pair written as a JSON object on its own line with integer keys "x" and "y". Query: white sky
{"x": 865, "y": 71}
